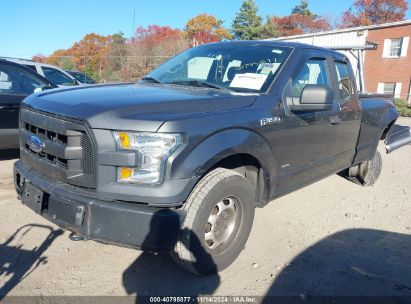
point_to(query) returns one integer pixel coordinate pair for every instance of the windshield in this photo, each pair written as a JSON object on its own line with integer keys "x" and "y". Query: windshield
{"x": 82, "y": 77}
{"x": 249, "y": 68}
{"x": 56, "y": 76}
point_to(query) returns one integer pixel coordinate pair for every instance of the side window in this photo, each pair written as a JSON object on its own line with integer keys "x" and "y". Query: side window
{"x": 312, "y": 72}
{"x": 344, "y": 82}
{"x": 56, "y": 76}
{"x": 16, "y": 81}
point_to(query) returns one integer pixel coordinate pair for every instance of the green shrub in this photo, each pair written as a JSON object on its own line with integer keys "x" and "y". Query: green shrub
{"x": 403, "y": 108}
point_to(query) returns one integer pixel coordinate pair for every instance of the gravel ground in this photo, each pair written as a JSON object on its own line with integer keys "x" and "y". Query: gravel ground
{"x": 330, "y": 238}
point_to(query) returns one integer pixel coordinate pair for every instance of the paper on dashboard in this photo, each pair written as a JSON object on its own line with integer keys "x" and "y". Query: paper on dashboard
{"x": 248, "y": 81}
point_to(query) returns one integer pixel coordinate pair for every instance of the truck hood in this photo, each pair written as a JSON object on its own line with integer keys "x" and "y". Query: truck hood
{"x": 140, "y": 107}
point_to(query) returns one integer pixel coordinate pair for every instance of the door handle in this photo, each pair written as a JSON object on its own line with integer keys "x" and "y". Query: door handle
{"x": 335, "y": 121}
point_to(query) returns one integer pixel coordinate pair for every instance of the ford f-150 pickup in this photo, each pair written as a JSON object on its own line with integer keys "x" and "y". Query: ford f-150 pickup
{"x": 179, "y": 160}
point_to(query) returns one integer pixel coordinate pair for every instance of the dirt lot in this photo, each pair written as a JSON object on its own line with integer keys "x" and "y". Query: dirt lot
{"x": 331, "y": 238}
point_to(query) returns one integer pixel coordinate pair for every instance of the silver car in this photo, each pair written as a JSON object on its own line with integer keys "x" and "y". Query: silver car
{"x": 51, "y": 72}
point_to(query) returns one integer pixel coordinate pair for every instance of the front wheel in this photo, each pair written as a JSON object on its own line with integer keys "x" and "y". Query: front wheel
{"x": 220, "y": 213}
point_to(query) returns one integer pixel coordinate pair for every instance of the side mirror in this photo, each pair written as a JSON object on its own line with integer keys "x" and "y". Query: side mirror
{"x": 314, "y": 98}
{"x": 75, "y": 82}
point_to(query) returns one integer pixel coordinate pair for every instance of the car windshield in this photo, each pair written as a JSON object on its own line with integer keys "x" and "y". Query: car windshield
{"x": 82, "y": 77}
{"x": 57, "y": 77}
{"x": 249, "y": 68}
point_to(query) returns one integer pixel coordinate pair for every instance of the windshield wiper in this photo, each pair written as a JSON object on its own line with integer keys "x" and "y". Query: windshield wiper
{"x": 197, "y": 83}
{"x": 150, "y": 79}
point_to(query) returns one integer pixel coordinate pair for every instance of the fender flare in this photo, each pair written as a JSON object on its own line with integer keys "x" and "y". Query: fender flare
{"x": 218, "y": 146}
{"x": 391, "y": 116}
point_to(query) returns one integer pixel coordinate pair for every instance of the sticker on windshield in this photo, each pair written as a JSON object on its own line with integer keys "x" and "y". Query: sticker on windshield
{"x": 248, "y": 81}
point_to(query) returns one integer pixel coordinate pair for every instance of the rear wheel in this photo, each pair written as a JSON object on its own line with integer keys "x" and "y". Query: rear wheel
{"x": 220, "y": 213}
{"x": 367, "y": 172}
{"x": 370, "y": 171}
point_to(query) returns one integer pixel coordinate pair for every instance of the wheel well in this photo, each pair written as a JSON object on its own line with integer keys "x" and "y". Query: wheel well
{"x": 384, "y": 134}
{"x": 250, "y": 168}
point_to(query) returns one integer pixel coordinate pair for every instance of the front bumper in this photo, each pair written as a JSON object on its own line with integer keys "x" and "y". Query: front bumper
{"x": 109, "y": 221}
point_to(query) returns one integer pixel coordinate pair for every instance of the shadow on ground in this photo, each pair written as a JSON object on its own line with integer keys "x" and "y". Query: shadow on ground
{"x": 9, "y": 154}
{"x": 18, "y": 263}
{"x": 355, "y": 262}
{"x": 351, "y": 263}
{"x": 156, "y": 274}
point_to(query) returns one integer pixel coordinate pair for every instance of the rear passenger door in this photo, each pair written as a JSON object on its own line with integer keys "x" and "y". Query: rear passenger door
{"x": 308, "y": 142}
{"x": 350, "y": 115}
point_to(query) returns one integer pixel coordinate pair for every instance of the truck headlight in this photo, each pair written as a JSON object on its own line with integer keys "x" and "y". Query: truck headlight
{"x": 152, "y": 149}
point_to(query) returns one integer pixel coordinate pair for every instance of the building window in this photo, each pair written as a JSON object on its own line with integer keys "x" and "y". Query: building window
{"x": 389, "y": 88}
{"x": 395, "y": 48}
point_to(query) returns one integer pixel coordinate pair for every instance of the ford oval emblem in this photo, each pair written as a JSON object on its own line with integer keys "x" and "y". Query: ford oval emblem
{"x": 35, "y": 144}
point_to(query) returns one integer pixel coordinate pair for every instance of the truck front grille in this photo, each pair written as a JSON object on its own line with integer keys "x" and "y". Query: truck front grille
{"x": 87, "y": 162}
{"x": 67, "y": 152}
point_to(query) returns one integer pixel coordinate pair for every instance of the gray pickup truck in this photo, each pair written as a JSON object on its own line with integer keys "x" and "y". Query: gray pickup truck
{"x": 180, "y": 160}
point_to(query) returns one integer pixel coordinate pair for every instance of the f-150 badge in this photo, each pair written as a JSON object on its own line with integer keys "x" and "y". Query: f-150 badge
{"x": 270, "y": 121}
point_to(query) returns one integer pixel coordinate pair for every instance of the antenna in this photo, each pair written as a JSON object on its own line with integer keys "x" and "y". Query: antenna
{"x": 134, "y": 18}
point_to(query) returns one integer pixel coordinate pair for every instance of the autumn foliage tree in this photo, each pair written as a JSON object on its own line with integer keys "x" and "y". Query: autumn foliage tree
{"x": 115, "y": 62}
{"x": 369, "y": 12}
{"x": 151, "y": 46}
{"x": 89, "y": 53}
{"x": 117, "y": 58}
{"x": 296, "y": 24}
{"x": 300, "y": 21}
{"x": 205, "y": 28}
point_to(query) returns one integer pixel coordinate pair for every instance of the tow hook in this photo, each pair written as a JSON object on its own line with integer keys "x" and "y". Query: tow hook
{"x": 76, "y": 237}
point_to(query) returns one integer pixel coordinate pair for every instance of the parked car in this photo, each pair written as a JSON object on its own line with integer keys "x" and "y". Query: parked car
{"x": 51, "y": 72}
{"x": 180, "y": 160}
{"x": 16, "y": 83}
{"x": 81, "y": 77}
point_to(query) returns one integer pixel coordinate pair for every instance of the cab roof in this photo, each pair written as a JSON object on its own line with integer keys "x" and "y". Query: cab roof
{"x": 273, "y": 43}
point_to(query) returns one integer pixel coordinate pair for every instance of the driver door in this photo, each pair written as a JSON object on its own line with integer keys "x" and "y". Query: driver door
{"x": 307, "y": 145}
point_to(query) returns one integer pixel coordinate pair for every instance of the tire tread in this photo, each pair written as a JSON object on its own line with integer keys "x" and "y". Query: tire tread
{"x": 181, "y": 255}
{"x": 373, "y": 171}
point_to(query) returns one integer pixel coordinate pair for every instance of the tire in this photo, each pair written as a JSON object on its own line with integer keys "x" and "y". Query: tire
{"x": 225, "y": 198}
{"x": 369, "y": 171}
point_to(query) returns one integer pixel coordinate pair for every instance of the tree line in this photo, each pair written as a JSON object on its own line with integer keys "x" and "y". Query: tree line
{"x": 116, "y": 58}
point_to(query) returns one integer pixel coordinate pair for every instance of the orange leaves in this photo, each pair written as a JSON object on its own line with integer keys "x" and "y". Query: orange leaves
{"x": 295, "y": 24}
{"x": 205, "y": 28}
{"x": 155, "y": 34}
{"x": 368, "y": 12}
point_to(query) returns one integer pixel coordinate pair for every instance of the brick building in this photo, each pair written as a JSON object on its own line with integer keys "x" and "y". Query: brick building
{"x": 386, "y": 69}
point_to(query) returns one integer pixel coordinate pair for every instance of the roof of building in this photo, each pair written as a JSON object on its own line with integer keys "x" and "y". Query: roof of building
{"x": 351, "y": 29}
